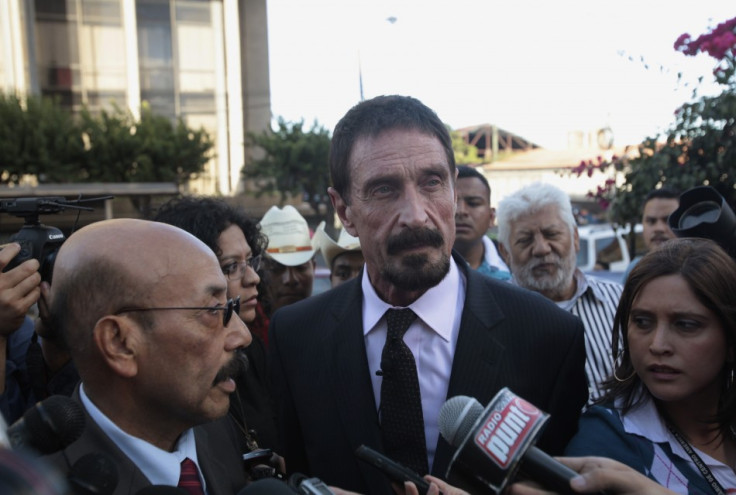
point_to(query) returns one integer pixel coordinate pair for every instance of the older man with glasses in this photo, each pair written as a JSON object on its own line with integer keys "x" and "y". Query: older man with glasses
{"x": 238, "y": 243}
{"x": 155, "y": 340}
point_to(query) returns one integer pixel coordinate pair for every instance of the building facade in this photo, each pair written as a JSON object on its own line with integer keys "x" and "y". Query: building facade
{"x": 205, "y": 61}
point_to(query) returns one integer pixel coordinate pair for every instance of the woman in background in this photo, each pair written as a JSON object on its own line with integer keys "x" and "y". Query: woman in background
{"x": 670, "y": 408}
{"x": 238, "y": 243}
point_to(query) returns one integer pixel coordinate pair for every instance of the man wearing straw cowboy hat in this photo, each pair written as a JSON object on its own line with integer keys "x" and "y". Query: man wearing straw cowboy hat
{"x": 289, "y": 264}
{"x": 344, "y": 258}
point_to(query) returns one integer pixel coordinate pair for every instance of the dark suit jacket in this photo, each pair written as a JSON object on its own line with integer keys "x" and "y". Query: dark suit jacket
{"x": 217, "y": 452}
{"x": 509, "y": 337}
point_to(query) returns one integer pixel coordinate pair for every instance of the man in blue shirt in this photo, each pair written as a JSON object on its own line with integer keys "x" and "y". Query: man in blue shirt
{"x": 473, "y": 217}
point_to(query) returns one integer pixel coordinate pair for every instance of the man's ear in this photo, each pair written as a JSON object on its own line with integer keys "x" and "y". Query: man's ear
{"x": 492, "y": 219}
{"x": 343, "y": 211}
{"x": 576, "y": 239}
{"x": 118, "y": 338}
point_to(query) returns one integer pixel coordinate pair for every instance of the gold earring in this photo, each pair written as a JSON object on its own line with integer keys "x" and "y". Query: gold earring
{"x": 625, "y": 379}
{"x": 616, "y": 365}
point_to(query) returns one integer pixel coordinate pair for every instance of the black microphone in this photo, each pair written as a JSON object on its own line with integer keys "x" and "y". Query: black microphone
{"x": 495, "y": 443}
{"x": 93, "y": 474}
{"x": 49, "y": 426}
{"x": 308, "y": 486}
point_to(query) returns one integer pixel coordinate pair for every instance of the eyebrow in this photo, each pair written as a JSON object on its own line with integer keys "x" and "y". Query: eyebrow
{"x": 248, "y": 252}
{"x": 216, "y": 290}
{"x": 676, "y": 314}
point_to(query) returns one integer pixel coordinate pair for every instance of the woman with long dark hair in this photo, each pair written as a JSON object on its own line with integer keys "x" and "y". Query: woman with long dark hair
{"x": 670, "y": 407}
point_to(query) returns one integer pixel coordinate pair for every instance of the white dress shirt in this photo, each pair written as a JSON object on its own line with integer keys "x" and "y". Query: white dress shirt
{"x": 159, "y": 466}
{"x": 432, "y": 339}
{"x": 644, "y": 420}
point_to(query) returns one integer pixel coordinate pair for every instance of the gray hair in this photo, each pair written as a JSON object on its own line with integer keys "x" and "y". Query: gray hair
{"x": 532, "y": 199}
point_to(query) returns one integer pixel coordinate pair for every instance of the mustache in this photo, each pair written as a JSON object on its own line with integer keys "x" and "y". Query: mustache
{"x": 557, "y": 261}
{"x": 413, "y": 238}
{"x": 237, "y": 365}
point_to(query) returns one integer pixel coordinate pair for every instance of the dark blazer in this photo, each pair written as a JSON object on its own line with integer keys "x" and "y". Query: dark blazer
{"x": 509, "y": 337}
{"x": 217, "y": 452}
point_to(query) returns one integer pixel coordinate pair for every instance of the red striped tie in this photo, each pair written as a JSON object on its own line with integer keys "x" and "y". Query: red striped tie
{"x": 189, "y": 478}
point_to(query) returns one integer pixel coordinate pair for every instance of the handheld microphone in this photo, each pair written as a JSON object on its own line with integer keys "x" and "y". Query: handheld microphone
{"x": 308, "y": 486}
{"x": 49, "y": 426}
{"x": 495, "y": 443}
{"x": 93, "y": 474}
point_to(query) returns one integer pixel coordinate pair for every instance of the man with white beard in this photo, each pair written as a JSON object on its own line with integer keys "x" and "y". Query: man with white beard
{"x": 539, "y": 241}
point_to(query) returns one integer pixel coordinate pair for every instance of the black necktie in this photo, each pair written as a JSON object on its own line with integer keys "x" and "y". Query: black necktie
{"x": 402, "y": 423}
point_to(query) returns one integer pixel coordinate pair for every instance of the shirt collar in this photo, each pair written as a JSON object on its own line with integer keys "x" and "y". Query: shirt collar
{"x": 582, "y": 284}
{"x": 432, "y": 307}
{"x": 159, "y": 466}
{"x": 644, "y": 420}
{"x": 491, "y": 256}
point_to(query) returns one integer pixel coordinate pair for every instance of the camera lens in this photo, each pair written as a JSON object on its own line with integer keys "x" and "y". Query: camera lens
{"x": 703, "y": 212}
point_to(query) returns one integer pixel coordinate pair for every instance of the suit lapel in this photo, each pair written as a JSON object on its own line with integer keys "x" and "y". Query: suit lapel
{"x": 475, "y": 370}
{"x": 93, "y": 439}
{"x": 351, "y": 381}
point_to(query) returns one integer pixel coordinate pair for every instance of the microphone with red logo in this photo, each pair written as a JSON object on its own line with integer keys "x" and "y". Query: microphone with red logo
{"x": 496, "y": 443}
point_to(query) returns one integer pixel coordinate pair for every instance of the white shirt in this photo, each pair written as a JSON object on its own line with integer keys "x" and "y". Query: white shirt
{"x": 432, "y": 339}
{"x": 595, "y": 302}
{"x": 490, "y": 253}
{"x": 159, "y": 466}
{"x": 644, "y": 421}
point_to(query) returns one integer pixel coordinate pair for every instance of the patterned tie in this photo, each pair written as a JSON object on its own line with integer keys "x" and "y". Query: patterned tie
{"x": 189, "y": 478}
{"x": 402, "y": 423}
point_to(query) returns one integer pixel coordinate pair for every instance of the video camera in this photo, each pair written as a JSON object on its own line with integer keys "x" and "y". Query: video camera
{"x": 703, "y": 212}
{"x": 37, "y": 240}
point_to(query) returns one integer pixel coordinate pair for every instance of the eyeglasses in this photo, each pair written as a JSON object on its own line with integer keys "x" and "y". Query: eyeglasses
{"x": 232, "y": 306}
{"x": 236, "y": 269}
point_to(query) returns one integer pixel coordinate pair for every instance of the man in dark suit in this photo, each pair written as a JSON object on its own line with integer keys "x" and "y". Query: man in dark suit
{"x": 334, "y": 356}
{"x": 143, "y": 308}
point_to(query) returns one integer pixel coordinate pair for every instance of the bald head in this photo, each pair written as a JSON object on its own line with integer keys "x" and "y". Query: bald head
{"x": 118, "y": 263}
{"x": 127, "y": 242}
{"x": 143, "y": 306}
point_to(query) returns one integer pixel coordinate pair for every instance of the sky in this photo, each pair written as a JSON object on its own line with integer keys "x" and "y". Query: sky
{"x": 536, "y": 68}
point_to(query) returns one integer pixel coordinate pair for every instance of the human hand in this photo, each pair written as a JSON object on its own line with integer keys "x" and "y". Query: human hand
{"x": 19, "y": 289}
{"x": 436, "y": 487}
{"x": 598, "y": 474}
{"x": 44, "y": 326}
{"x": 601, "y": 474}
{"x": 339, "y": 491}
